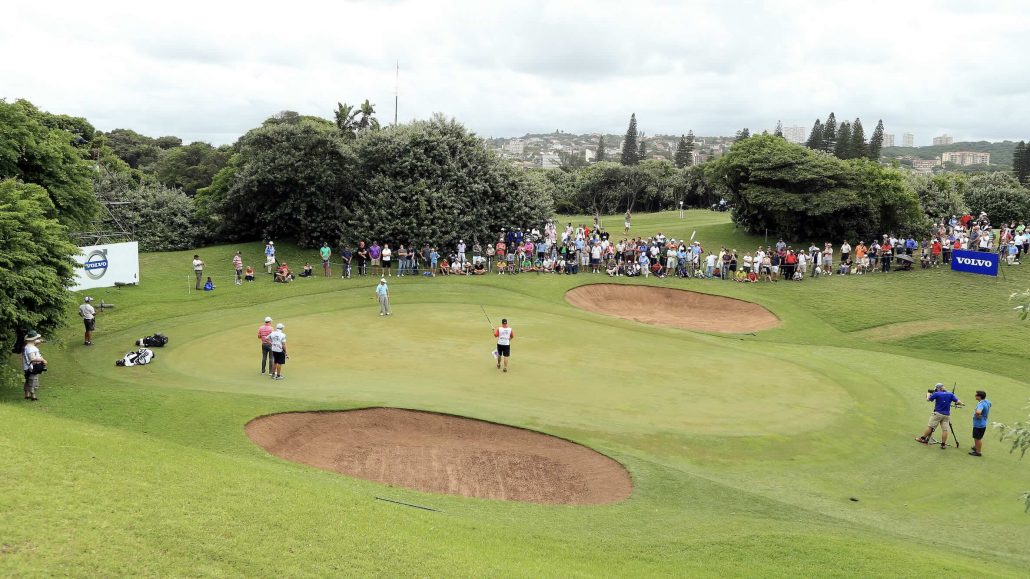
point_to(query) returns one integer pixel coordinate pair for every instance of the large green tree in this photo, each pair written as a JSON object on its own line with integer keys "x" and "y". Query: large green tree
{"x": 33, "y": 152}
{"x": 999, "y": 195}
{"x": 1021, "y": 163}
{"x": 940, "y": 196}
{"x": 601, "y": 154}
{"x": 293, "y": 178}
{"x": 191, "y": 167}
{"x": 161, "y": 218}
{"x": 435, "y": 182}
{"x": 876, "y": 142}
{"x": 796, "y": 193}
{"x": 36, "y": 265}
{"x": 630, "y": 148}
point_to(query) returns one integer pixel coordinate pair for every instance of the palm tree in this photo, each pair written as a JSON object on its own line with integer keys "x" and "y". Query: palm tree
{"x": 367, "y": 122}
{"x": 346, "y": 119}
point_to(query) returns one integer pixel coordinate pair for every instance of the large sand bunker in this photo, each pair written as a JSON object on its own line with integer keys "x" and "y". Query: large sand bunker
{"x": 672, "y": 307}
{"x": 444, "y": 454}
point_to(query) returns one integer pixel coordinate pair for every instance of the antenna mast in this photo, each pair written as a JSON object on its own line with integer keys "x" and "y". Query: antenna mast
{"x": 396, "y": 91}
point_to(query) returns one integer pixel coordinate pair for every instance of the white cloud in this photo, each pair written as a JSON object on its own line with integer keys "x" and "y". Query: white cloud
{"x": 211, "y": 71}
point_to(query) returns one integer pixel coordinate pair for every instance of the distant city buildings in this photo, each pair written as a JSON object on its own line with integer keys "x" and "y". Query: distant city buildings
{"x": 965, "y": 158}
{"x": 944, "y": 139}
{"x": 795, "y": 134}
{"x": 925, "y": 165}
{"x": 549, "y": 161}
{"x": 888, "y": 139}
{"x": 514, "y": 147}
{"x": 908, "y": 140}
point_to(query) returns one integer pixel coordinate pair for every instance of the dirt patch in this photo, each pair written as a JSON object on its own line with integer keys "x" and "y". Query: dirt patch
{"x": 439, "y": 453}
{"x": 673, "y": 307}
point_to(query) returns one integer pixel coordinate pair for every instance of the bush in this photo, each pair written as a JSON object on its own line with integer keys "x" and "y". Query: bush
{"x": 999, "y": 195}
{"x": 161, "y": 218}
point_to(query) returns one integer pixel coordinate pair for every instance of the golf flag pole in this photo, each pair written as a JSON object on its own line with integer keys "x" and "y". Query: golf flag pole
{"x": 495, "y": 354}
{"x": 692, "y": 235}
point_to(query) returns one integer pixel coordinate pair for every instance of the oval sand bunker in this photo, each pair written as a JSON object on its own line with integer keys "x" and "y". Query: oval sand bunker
{"x": 444, "y": 454}
{"x": 672, "y": 307}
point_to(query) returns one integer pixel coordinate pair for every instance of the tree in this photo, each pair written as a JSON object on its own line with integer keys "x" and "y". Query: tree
{"x": 815, "y": 137}
{"x": 829, "y": 138}
{"x": 876, "y": 142}
{"x": 367, "y": 122}
{"x": 346, "y": 120}
{"x": 292, "y": 179}
{"x": 642, "y": 151}
{"x": 797, "y": 193}
{"x": 842, "y": 146}
{"x": 32, "y": 152}
{"x": 601, "y": 155}
{"x": 999, "y": 195}
{"x": 570, "y": 161}
{"x": 629, "y": 143}
{"x": 161, "y": 218}
{"x": 741, "y": 135}
{"x": 37, "y": 261}
{"x": 1021, "y": 163}
{"x": 435, "y": 182}
{"x": 859, "y": 148}
{"x": 779, "y": 129}
{"x": 684, "y": 149}
{"x": 191, "y": 167}
{"x": 940, "y": 196}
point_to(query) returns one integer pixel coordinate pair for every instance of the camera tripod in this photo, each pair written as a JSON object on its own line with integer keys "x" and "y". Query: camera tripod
{"x": 931, "y": 440}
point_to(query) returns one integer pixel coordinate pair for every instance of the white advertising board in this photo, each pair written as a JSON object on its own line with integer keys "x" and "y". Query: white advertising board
{"x": 107, "y": 265}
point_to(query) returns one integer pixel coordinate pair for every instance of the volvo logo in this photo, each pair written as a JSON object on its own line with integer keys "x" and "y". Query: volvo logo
{"x": 96, "y": 264}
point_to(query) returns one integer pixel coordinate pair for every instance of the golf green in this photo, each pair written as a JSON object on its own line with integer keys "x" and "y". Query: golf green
{"x": 745, "y": 450}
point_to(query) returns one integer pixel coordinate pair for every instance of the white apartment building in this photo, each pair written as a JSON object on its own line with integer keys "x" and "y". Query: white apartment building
{"x": 908, "y": 140}
{"x": 515, "y": 147}
{"x": 795, "y": 134}
{"x": 549, "y": 161}
{"x": 888, "y": 139}
{"x": 966, "y": 158}
{"x": 944, "y": 139}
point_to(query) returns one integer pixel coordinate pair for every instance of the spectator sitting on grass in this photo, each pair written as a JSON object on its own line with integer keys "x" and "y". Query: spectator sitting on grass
{"x": 248, "y": 273}
{"x": 283, "y": 273}
{"x": 209, "y": 285}
{"x": 445, "y": 267}
{"x": 308, "y": 271}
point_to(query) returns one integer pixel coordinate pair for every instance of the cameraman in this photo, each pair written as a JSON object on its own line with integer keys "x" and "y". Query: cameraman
{"x": 30, "y": 357}
{"x": 942, "y": 401}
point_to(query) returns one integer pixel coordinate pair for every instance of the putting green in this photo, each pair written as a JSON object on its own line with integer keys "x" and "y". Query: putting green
{"x": 440, "y": 355}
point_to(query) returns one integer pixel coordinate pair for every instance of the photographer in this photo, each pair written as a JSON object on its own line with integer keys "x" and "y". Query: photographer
{"x": 33, "y": 364}
{"x": 942, "y": 402}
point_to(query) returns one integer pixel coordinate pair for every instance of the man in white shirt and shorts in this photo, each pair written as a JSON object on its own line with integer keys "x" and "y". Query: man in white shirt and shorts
{"x": 504, "y": 334}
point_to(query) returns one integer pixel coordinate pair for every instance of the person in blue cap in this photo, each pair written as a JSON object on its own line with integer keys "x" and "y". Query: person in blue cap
{"x": 941, "y": 417}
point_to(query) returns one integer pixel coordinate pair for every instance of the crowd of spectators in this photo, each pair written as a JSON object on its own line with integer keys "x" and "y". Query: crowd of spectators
{"x": 591, "y": 249}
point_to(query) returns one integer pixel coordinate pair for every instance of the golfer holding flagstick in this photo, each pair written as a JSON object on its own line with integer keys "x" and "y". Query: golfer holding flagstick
{"x": 504, "y": 335}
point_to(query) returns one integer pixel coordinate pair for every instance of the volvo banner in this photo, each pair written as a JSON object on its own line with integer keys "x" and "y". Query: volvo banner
{"x": 107, "y": 265}
{"x": 981, "y": 262}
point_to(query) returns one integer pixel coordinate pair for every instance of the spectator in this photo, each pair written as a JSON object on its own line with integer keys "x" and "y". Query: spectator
{"x": 325, "y": 253}
{"x": 31, "y": 361}
{"x": 248, "y": 273}
{"x": 237, "y": 264}
{"x": 198, "y": 269}
{"x": 269, "y": 256}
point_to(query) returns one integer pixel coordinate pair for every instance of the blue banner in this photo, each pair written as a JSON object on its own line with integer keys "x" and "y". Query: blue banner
{"x": 981, "y": 262}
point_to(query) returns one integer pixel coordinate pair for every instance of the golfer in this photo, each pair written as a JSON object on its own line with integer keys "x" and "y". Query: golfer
{"x": 198, "y": 269}
{"x": 266, "y": 346}
{"x": 383, "y": 293}
{"x": 504, "y": 334}
{"x": 277, "y": 343}
{"x": 31, "y": 355}
{"x": 88, "y": 315}
{"x": 942, "y": 401}
{"x": 983, "y": 410}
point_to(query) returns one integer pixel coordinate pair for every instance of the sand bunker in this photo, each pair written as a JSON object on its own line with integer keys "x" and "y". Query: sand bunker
{"x": 444, "y": 454}
{"x": 673, "y": 307}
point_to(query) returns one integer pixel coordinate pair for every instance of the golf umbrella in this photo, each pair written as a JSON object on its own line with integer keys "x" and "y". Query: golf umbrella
{"x": 907, "y": 258}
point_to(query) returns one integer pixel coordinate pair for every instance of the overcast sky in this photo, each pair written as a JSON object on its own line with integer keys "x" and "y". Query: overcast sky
{"x": 208, "y": 71}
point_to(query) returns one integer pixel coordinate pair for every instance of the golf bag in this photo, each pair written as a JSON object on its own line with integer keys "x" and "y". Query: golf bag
{"x": 157, "y": 340}
{"x": 137, "y": 358}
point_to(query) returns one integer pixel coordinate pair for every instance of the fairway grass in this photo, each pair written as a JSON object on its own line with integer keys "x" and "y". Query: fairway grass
{"x": 745, "y": 450}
